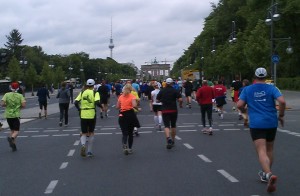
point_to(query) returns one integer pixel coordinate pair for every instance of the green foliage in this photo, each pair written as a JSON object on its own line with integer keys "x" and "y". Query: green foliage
{"x": 14, "y": 71}
{"x": 253, "y": 46}
{"x": 289, "y": 83}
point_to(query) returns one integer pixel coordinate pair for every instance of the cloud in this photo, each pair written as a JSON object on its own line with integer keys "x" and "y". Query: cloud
{"x": 142, "y": 30}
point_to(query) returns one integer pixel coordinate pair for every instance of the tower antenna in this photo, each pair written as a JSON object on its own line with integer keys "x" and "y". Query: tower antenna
{"x": 111, "y": 42}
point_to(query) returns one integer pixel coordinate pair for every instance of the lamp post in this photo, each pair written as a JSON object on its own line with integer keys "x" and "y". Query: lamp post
{"x": 273, "y": 16}
{"x": 70, "y": 69}
{"x": 232, "y": 38}
{"x": 23, "y": 63}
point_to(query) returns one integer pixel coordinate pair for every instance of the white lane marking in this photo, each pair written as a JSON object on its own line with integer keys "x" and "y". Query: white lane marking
{"x": 63, "y": 165}
{"x": 204, "y": 158}
{"x": 232, "y": 129}
{"x": 187, "y": 130}
{"x": 227, "y": 175}
{"x": 107, "y": 128}
{"x": 188, "y": 146}
{"x": 66, "y": 130}
{"x": 40, "y": 136}
{"x": 61, "y": 135}
{"x": 76, "y": 134}
{"x": 103, "y": 133}
{"x": 51, "y": 187}
{"x": 20, "y": 136}
{"x": 225, "y": 125}
{"x": 145, "y": 131}
{"x": 71, "y": 153}
{"x": 118, "y": 133}
{"x": 178, "y": 138}
{"x": 46, "y": 131}
{"x": 186, "y": 126}
{"x": 77, "y": 142}
{"x": 31, "y": 131}
{"x": 147, "y": 127}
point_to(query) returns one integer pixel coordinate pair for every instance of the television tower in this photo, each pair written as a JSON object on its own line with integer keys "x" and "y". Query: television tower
{"x": 111, "y": 43}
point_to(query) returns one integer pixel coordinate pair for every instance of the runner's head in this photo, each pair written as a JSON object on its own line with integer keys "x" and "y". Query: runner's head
{"x": 261, "y": 73}
{"x": 90, "y": 83}
{"x": 15, "y": 86}
{"x": 169, "y": 81}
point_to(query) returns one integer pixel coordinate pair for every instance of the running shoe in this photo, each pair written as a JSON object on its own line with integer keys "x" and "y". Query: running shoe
{"x": 40, "y": 115}
{"x": 159, "y": 127}
{"x": 14, "y": 147}
{"x": 83, "y": 153}
{"x": 10, "y": 141}
{"x": 60, "y": 124}
{"x": 130, "y": 151}
{"x": 66, "y": 125}
{"x": 210, "y": 131}
{"x": 204, "y": 130}
{"x": 221, "y": 116}
{"x": 125, "y": 149}
{"x": 262, "y": 176}
{"x": 89, "y": 154}
{"x": 233, "y": 108}
{"x": 271, "y": 182}
{"x": 169, "y": 144}
{"x": 190, "y": 106}
{"x": 240, "y": 117}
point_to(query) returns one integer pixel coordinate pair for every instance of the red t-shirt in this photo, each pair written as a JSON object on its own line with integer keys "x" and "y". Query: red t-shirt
{"x": 205, "y": 94}
{"x": 220, "y": 90}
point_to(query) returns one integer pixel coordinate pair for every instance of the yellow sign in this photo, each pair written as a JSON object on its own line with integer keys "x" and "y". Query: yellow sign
{"x": 189, "y": 74}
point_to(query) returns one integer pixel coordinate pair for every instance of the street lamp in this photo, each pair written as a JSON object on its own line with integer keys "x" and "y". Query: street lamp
{"x": 23, "y": 63}
{"x": 273, "y": 15}
{"x": 213, "y": 46}
{"x": 201, "y": 64}
{"x": 70, "y": 69}
{"x": 232, "y": 38}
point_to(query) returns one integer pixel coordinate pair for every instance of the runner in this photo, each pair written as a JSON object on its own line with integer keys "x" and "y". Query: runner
{"x": 204, "y": 97}
{"x": 156, "y": 107}
{"x": 235, "y": 86}
{"x": 88, "y": 100}
{"x": 127, "y": 117}
{"x": 220, "y": 94}
{"x": 188, "y": 88}
{"x": 103, "y": 91}
{"x": 260, "y": 99}
{"x": 168, "y": 97}
{"x": 64, "y": 100}
{"x": 13, "y": 102}
{"x": 245, "y": 113}
{"x": 43, "y": 94}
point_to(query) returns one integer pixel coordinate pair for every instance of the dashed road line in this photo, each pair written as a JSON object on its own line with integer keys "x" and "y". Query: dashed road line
{"x": 178, "y": 138}
{"x": 227, "y": 175}
{"x": 51, "y": 187}
{"x": 188, "y": 130}
{"x": 71, "y": 153}
{"x": 61, "y": 135}
{"x": 40, "y": 136}
{"x": 77, "y": 142}
{"x": 48, "y": 131}
{"x": 31, "y": 131}
{"x": 204, "y": 158}
{"x": 188, "y": 146}
{"x": 63, "y": 165}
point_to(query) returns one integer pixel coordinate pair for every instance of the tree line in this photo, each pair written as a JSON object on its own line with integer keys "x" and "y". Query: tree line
{"x": 212, "y": 52}
{"x": 32, "y": 66}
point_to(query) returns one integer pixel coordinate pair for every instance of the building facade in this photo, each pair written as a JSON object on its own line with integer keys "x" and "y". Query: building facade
{"x": 155, "y": 71}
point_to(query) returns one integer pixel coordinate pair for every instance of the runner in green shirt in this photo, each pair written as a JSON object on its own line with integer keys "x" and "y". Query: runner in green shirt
{"x": 13, "y": 101}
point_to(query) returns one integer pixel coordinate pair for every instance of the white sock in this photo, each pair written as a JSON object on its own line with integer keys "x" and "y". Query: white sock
{"x": 91, "y": 141}
{"x": 83, "y": 139}
{"x": 159, "y": 119}
{"x": 155, "y": 120}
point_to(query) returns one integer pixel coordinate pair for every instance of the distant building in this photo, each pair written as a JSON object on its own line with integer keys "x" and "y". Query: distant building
{"x": 155, "y": 70}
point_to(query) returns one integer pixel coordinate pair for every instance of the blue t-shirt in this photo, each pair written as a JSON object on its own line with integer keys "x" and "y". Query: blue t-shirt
{"x": 260, "y": 99}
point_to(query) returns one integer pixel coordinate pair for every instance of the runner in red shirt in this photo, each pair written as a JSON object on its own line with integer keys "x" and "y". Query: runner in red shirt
{"x": 220, "y": 94}
{"x": 204, "y": 97}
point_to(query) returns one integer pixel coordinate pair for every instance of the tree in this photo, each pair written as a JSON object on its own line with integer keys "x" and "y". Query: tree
{"x": 31, "y": 77}
{"x": 14, "y": 71}
{"x": 14, "y": 40}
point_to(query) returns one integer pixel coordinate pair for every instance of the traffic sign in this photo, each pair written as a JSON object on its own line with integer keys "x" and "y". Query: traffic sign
{"x": 275, "y": 58}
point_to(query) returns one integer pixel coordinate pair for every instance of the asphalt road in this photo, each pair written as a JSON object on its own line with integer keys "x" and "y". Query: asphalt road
{"x": 48, "y": 159}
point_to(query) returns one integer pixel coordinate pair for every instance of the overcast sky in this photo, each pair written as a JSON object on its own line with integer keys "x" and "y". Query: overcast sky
{"x": 141, "y": 29}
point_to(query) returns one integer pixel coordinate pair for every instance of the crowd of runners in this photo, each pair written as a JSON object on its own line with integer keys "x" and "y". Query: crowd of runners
{"x": 164, "y": 98}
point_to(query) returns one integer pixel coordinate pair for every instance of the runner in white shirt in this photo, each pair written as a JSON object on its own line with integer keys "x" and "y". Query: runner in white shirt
{"x": 156, "y": 107}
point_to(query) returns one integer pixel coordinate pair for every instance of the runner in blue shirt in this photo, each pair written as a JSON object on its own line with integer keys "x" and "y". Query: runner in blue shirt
{"x": 260, "y": 99}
